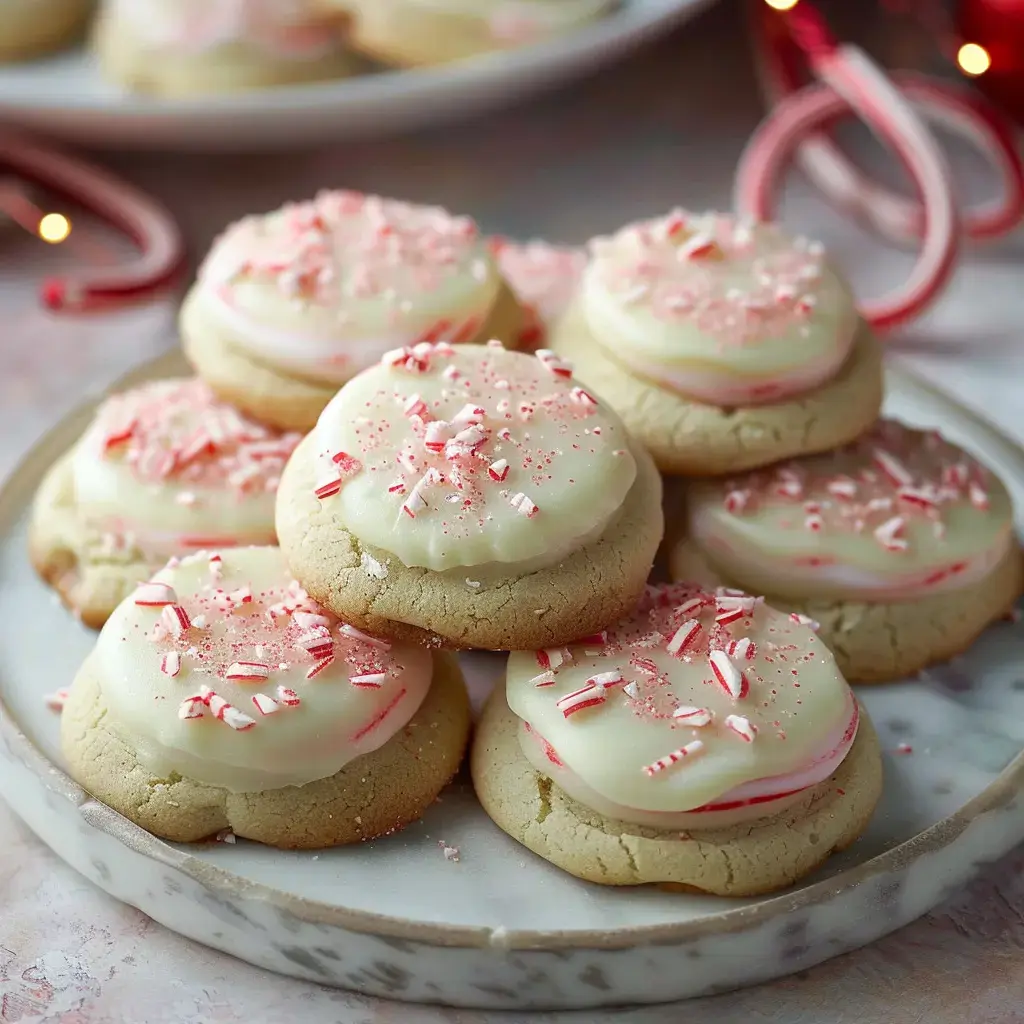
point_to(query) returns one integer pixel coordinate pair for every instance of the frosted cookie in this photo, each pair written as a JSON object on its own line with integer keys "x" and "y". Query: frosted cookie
{"x": 419, "y": 32}
{"x": 289, "y": 306}
{"x": 900, "y": 545}
{"x": 706, "y": 742}
{"x": 472, "y": 497}
{"x": 163, "y": 469}
{"x": 722, "y": 345}
{"x": 544, "y": 279}
{"x": 219, "y": 695}
{"x": 183, "y": 47}
{"x": 29, "y": 28}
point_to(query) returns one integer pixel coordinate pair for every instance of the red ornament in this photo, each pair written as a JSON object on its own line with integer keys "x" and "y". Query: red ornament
{"x": 998, "y": 26}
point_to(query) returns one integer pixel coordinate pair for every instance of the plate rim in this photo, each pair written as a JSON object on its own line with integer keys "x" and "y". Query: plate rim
{"x": 610, "y": 34}
{"x": 21, "y": 482}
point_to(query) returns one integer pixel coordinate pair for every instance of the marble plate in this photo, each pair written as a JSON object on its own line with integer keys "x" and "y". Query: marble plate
{"x": 65, "y": 96}
{"x": 498, "y": 927}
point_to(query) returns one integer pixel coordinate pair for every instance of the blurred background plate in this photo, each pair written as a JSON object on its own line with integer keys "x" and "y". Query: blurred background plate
{"x": 65, "y": 97}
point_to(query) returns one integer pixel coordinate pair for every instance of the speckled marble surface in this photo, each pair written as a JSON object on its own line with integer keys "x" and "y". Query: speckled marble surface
{"x": 643, "y": 137}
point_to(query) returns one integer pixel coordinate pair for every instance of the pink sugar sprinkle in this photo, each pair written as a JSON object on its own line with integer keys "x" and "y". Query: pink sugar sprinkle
{"x": 743, "y": 727}
{"x": 170, "y": 663}
{"x": 696, "y": 717}
{"x": 689, "y": 750}
{"x": 685, "y": 636}
{"x": 729, "y": 677}
{"x": 155, "y": 595}
{"x": 55, "y": 701}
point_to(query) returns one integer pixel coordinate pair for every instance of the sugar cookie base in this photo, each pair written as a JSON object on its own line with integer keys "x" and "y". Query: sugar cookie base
{"x": 90, "y": 579}
{"x": 744, "y": 860}
{"x": 129, "y": 63}
{"x": 688, "y": 438}
{"x": 31, "y": 28}
{"x": 883, "y": 642}
{"x": 279, "y": 399}
{"x": 594, "y": 586}
{"x": 371, "y": 796}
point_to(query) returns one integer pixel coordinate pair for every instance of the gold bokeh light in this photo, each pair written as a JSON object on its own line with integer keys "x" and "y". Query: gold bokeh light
{"x": 782, "y": 5}
{"x": 973, "y": 59}
{"x": 54, "y": 228}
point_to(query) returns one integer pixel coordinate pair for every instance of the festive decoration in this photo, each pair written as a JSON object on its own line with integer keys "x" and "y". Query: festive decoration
{"x": 993, "y": 46}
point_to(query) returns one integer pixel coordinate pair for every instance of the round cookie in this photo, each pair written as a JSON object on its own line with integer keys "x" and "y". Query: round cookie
{"x": 722, "y": 345}
{"x": 707, "y": 743}
{"x": 544, "y": 279}
{"x": 900, "y": 546}
{"x": 472, "y": 497}
{"x": 289, "y": 306}
{"x": 31, "y": 28}
{"x": 412, "y": 33}
{"x": 189, "y": 47}
{"x": 162, "y": 469}
{"x": 220, "y": 696}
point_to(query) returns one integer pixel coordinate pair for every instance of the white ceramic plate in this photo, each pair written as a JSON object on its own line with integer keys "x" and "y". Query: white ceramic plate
{"x": 500, "y": 927}
{"x": 65, "y": 96}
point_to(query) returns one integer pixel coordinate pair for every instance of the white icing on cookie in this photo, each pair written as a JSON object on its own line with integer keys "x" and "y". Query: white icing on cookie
{"x": 323, "y": 289}
{"x": 896, "y": 515}
{"x": 697, "y": 703}
{"x": 472, "y": 455}
{"x": 225, "y": 671}
{"x": 285, "y": 29}
{"x": 721, "y": 311}
{"x": 544, "y": 279}
{"x": 171, "y": 468}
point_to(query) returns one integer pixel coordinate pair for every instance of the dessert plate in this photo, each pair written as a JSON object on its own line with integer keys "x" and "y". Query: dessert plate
{"x": 65, "y": 96}
{"x": 452, "y": 910}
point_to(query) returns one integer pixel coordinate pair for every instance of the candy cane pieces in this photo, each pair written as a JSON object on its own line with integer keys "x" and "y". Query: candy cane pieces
{"x": 728, "y": 676}
{"x": 587, "y": 696}
{"x": 155, "y": 595}
{"x": 692, "y": 748}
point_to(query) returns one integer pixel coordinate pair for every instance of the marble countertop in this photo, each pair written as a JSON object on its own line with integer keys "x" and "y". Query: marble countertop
{"x": 663, "y": 129}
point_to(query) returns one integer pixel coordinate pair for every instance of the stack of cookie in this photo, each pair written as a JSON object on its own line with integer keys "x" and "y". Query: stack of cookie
{"x": 465, "y": 440}
{"x": 189, "y": 47}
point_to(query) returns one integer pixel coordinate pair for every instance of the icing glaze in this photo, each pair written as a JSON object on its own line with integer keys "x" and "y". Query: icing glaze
{"x": 544, "y": 279}
{"x": 324, "y": 288}
{"x": 720, "y": 310}
{"x": 171, "y": 468}
{"x": 472, "y": 456}
{"x": 224, "y": 670}
{"x": 286, "y": 29}
{"x": 897, "y": 514}
{"x": 697, "y": 702}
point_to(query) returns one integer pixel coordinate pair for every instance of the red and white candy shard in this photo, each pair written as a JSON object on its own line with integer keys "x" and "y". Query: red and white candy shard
{"x": 728, "y": 676}
{"x": 689, "y": 750}
{"x": 155, "y": 595}
{"x": 697, "y": 717}
{"x": 743, "y": 727}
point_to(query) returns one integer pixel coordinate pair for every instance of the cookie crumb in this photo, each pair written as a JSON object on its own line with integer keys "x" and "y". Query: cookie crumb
{"x": 225, "y": 835}
{"x": 372, "y": 567}
{"x": 472, "y": 583}
{"x": 450, "y": 852}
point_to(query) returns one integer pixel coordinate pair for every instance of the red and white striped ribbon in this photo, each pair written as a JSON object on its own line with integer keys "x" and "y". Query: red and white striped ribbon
{"x": 892, "y": 106}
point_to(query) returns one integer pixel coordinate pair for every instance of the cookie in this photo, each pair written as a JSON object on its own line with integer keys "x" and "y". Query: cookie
{"x": 412, "y": 33}
{"x": 190, "y": 47}
{"x": 707, "y": 742}
{"x": 162, "y": 469}
{"x": 31, "y": 28}
{"x": 544, "y": 279}
{"x": 722, "y": 345}
{"x": 472, "y": 497}
{"x": 289, "y": 306}
{"x": 219, "y": 696}
{"x": 900, "y": 545}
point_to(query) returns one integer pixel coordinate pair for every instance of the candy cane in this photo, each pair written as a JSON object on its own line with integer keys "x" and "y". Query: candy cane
{"x": 851, "y": 80}
{"x": 144, "y": 220}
